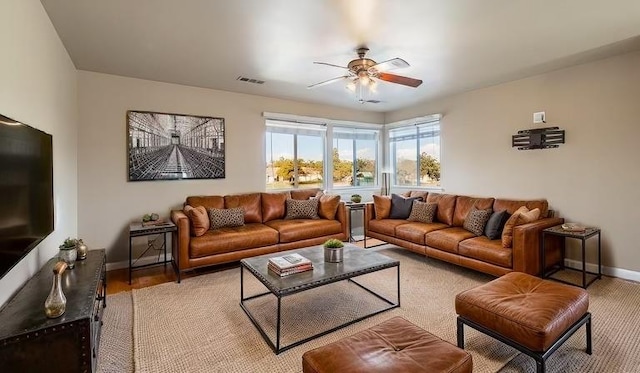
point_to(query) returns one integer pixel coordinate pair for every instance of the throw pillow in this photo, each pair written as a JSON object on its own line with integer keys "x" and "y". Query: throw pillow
{"x": 220, "y": 218}
{"x": 302, "y": 209}
{"x": 273, "y": 205}
{"x": 401, "y": 206}
{"x": 423, "y": 212}
{"x": 476, "y": 220}
{"x": 507, "y": 232}
{"x": 198, "y": 219}
{"x": 381, "y": 206}
{"x": 328, "y": 206}
{"x": 528, "y": 217}
{"x": 495, "y": 225}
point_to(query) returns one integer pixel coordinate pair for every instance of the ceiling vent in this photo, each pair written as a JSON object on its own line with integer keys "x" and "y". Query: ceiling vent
{"x": 249, "y": 80}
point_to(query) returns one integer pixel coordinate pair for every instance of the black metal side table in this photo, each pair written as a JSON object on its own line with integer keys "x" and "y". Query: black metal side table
{"x": 351, "y": 207}
{"x": 138, "y": 230}
{"x": 580, "y": 235}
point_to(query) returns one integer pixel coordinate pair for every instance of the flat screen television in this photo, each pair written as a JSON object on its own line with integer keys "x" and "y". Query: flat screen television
{"x": 26, "y": 190}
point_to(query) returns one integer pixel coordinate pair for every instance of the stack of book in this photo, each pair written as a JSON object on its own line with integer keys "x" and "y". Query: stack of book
{"x": 289, "y": 264}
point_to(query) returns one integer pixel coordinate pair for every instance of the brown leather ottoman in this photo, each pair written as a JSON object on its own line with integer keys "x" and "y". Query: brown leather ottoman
{"x": 532, "y": 315}
{"x": 395, "y": 345}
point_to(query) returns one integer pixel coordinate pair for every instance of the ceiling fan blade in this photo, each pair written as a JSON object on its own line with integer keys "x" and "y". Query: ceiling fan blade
{"x": 328, "y": 82}
{"x": 330, "y": 64}
{"x": 394, "y": 63}
{"x": 399, "y": 79}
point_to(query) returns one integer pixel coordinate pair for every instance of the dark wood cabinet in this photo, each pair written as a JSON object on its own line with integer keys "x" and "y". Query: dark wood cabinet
{"x": 30, "y": 342}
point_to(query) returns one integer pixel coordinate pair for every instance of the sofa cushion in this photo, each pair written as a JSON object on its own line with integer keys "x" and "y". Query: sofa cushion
{"x": 486, "y": 250}
{"x": 446, "y": 205}
{"x": 521, "y": 216}
{"x": 328, "y": 206}
{"x": 415, "y": 231}
{"x": 401, "y": 206}
{"x": 495, "y": 225}
{"x": 423, "y": 212}
{"x": 304, "y": 193}
{"x": 416, "y": 193}
{"x": 302, "y": 229}
{"x": 476, "y": 220}
{"x": 386, "y": 226}
{"x": 208, "y": 202}
{"x": 219, "y": 218}
{"x": 198, "y": 219}
{"x": 249, "y": 202}
{"x": 512, "y": 205}
{"x": 381, "y": 206}
{"x": 229, "y": 239}
{"x": 273, "y": 205}
{"x": 464, "y": 204}
{"x": 447, "y": 239}
{"x": 302, "y": 209}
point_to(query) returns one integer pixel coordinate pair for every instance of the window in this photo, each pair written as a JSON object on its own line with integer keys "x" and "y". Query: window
{"x": 354, "y": 156}
{"x": 415, "y": 154}
{"x": 295, "y": 155}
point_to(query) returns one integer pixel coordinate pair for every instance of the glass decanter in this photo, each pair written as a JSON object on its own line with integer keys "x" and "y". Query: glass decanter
{"x": 56, "y": 302}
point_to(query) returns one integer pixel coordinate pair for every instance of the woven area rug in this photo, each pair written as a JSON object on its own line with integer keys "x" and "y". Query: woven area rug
{"x": 198, "y": 325}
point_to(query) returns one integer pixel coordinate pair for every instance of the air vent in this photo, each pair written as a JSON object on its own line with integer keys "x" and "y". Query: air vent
{"x": 249, "y": 80}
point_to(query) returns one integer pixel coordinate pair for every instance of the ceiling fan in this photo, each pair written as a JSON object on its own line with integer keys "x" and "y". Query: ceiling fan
{"x": 363, "y": 72}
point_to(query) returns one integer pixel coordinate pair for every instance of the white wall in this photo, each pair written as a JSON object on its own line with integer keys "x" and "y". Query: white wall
{"x": 38, "y": 87}
{"x": 108, "y": 203}
{"x": 592, "y": 179}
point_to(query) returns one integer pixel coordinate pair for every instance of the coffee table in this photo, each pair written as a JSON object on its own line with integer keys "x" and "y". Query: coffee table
{"x": 356, "y": 262}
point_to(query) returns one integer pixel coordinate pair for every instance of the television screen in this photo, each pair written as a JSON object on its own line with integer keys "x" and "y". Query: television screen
{"x": 26, "y": 190}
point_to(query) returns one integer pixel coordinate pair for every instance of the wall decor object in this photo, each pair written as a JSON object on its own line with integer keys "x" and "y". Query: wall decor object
{"x": 538, "y": 138}
{"x": 165, "y": 146}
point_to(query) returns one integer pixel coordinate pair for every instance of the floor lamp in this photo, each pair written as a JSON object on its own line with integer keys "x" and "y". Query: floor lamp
{"x": 385, "y": 184}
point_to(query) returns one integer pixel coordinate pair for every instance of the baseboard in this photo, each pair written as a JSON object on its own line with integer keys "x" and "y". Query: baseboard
{"x": 609, "y": 271}
{"x": 142, "y": 261}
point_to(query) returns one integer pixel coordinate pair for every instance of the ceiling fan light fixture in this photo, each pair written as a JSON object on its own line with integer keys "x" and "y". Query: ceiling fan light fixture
{"x": 351, "y": 85}
{"x": 373, "y": 86}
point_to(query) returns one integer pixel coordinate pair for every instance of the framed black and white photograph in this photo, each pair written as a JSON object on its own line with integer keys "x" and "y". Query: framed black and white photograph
{"x": 165, "y": 146}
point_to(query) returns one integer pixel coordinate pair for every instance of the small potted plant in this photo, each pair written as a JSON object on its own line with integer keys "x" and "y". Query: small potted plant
{"x": 333, "y": 250}
{"x": 356, "y": 198}
{"x": 69, "y": 252}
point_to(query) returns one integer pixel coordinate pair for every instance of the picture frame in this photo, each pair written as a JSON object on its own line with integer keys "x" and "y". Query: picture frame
{"x": 167, "y": 146}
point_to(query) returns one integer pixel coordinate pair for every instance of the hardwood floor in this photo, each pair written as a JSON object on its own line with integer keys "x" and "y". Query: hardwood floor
{"x": 118, "y": 280}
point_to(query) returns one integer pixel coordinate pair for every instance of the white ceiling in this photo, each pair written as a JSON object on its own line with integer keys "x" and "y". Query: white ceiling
{"x": 452, "y": 45}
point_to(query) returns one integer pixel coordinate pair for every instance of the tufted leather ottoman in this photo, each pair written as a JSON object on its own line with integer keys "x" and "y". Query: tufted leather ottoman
{"x": 395, "y": 345}
{"x": 532, "y": 315}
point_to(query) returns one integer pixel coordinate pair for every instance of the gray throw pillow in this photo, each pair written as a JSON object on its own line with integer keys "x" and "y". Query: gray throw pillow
{"x": 302, "y": 208}
{"x": 401, "y": 206}
{"x": 495, "y": 225}
{"x": 423, "y": 212}
{"x": 476, "y": 220}
{"x": 220, "y": 218}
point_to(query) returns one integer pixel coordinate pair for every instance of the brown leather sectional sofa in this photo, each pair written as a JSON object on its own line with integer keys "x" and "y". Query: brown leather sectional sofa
{"x": 265, "y": 231}
{"x": 447, "y": 240}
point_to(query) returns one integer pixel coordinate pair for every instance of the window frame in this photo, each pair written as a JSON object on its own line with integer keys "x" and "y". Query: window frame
{"x": 418, "y": 123}
{"x": 297, "y": 129}
{"x": 295, "y": 121}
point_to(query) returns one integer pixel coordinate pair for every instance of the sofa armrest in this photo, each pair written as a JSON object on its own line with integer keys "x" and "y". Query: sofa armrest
{"x": 369, "y": 214}
{"x": 341, "y": 216}
{"x": 181, "y": 220}
{"x": 526, "y": 245}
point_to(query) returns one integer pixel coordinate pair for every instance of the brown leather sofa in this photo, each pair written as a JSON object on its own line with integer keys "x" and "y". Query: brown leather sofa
{"x": 447, "y": 240}
{"x": 265, "y": 231}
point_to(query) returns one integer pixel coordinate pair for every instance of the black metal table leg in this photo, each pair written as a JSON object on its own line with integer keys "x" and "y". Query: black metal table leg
{"x": 130, "y": 238}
